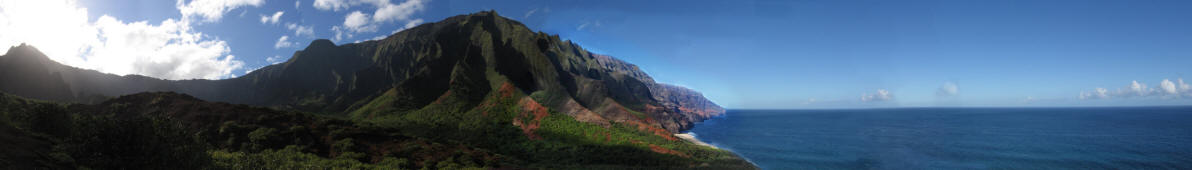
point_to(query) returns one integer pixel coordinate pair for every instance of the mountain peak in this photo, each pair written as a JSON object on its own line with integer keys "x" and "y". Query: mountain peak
{"x": 320, "y": 43}
{"x": 460, "y": 59}
{"x": 485, "y": 13}
{"x": 23, "y": 49}
{"x": 478, "y": 77}
{"x": 27, "y": 53}
{"x": 478, "y": 17}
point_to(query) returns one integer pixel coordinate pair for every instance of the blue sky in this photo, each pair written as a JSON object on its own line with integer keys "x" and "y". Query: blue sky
{"x": 740, "y": 54}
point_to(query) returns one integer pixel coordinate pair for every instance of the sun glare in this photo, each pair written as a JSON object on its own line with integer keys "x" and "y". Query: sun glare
{"x": 65, "y": 32}
{"x": 59, "y": 28}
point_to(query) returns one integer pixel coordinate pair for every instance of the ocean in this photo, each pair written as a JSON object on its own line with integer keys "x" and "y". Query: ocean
{"x": 957, "y": 138}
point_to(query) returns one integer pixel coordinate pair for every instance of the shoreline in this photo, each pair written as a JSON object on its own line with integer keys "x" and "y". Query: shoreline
{"x": 691, "y": 138}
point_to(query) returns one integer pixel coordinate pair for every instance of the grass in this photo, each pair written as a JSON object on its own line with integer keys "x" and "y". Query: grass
{"x": 565, "y": 141}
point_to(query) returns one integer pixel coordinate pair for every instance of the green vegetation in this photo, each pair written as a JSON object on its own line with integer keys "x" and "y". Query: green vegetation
{"x": 100, "y": 141}
{"x": 119, "y": 134}
{"x": 90, "y": 136}
{"x": 106, "y": 142}
{"x": 436, "y": 96}
{"x": 564, "y": 144}
{"x": 292, "y": 157}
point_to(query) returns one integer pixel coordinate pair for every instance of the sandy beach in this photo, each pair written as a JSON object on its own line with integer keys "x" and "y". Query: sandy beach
{"x": 690, "y": 137}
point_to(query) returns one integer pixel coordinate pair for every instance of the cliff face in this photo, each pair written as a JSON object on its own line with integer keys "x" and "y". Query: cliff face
{"x": 682, "y": 106}
{"x": 460, "y": 59}
{"x": 688, "y": 105}
{"x": 478, "y": 90}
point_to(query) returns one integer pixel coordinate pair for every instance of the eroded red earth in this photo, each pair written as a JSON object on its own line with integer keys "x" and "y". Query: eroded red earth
{"x": 530, "y": 117}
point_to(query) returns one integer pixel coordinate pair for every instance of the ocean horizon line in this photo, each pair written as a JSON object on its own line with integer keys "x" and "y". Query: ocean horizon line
{"x": 961, "y": 107}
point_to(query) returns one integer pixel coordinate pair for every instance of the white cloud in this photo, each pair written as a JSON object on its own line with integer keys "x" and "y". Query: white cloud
{"x": 1184, "y": 88}
{"x": 409, "y": 25}
{"x": 334, "y": 5}
{"x": 169, "y": 50}
{"x": 1180, "y": 88}
{"x": 530, "y": 13}
{"x": 810, "y": 101}
{"x": 1167, "y": 89}
{"x": 587, "y": 24}
{"x": 65, "y": 39}
{"x": 340, "y": 33}
{"x": 881, "y": 95}
{"x": 272, "y": 19}
{"x": 211, "y": 10}
{"x": 249, "y": 70}
{"x": 275, "y": 59}
{"x": 1098, "y": 93}
{"x": 582, "y": 26}
{"x": 297, "y": 4}
{"x": 399, "y": 12}
{"x": 358, "y": 22}
{"x": 283, "y": 42}
{"x": 948, "y": 89}
{"x": 1136, "y": 89}
{"x": 300, "y": 30}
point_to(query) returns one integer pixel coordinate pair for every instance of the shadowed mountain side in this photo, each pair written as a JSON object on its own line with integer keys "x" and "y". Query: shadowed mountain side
{"x": 27, "y": 72}
{"x": 166, "y": 129}
{"x": 461, "y": 58}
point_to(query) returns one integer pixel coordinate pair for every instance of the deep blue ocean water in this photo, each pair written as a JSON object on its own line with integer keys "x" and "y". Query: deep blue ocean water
{"x": 957, "y": 138}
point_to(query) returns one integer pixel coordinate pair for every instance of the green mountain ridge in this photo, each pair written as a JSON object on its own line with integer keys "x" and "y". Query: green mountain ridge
{"x": 166, "y": 129}
{"x": 477, "y": 85}
{"x": 327, "y": 78}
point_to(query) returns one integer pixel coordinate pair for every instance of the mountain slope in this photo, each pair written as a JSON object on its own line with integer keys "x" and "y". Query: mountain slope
{"x": 486, "y": 85}
{"x": 419, "y": 63}
{"x": 165, "y": 129}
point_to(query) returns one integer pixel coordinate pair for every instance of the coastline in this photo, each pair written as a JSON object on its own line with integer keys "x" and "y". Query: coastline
{"x": 691, "y": 138}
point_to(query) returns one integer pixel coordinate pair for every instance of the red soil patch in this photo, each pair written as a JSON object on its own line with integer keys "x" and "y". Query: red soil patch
{"x": 581, "y": 113}
{"x": 654, "y": 129}
{"x": 530, "y": 108}
{"x": 506, "y": 90}
{"x": 646, "y": 123}
{"x": 662, "y": 150}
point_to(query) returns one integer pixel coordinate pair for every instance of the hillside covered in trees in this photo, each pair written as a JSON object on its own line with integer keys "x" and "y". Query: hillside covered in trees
{"x": 471, "y": 91}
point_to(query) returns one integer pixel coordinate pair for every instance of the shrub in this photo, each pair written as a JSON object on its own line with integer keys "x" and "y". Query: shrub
{"x": 105, "y": 142}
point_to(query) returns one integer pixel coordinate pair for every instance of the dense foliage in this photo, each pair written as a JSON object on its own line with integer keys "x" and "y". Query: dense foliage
{"x": 142, "y": 136}
{"x": 101, "y": 141}
{"x": 471, "y": 91}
